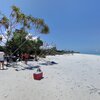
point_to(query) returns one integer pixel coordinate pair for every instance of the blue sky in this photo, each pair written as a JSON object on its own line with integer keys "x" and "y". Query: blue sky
{"x": 74, "y": 24}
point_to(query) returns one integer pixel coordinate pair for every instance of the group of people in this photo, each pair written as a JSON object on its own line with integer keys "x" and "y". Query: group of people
{"x": 24, "y": 57}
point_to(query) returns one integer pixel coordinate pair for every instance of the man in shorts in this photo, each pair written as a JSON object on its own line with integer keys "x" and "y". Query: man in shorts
{"x": 1, "y": 60}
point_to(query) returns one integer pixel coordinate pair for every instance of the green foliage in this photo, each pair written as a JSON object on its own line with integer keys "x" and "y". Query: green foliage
{"x": 28, "y": 21}
{"x": 24, "y": 46}
{"x": 4, "y": 22}
{"x": 2, "y": 48}
{"x": 17, "y": 26}
{"x": 19, "y": 20}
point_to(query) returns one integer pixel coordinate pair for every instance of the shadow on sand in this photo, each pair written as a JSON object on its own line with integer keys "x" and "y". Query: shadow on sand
{"x": 30, "y": 67}
{"x": 48, "y": 63}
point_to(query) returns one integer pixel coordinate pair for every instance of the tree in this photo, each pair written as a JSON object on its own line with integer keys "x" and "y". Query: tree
{"x": 18, "y": 22}
{"x": 19, "y": 44}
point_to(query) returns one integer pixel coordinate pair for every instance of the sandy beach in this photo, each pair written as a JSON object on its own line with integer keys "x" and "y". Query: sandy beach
{"x": 74, "y": 77}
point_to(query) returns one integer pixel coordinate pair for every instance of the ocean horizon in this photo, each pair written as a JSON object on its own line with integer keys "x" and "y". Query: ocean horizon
{"x": 91, "y": 53}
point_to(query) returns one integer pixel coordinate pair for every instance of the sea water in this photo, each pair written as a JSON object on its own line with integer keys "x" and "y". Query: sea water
{"x": 98, "y": 54}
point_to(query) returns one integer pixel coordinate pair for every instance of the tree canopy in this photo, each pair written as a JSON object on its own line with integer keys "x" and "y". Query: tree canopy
{"x": 16, "y": 27}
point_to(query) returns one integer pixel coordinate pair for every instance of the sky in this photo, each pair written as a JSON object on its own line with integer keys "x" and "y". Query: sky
{"x": 74, "y": 24}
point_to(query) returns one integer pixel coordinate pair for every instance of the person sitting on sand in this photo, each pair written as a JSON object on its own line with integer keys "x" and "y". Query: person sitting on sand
{"x": 1, "y": 60}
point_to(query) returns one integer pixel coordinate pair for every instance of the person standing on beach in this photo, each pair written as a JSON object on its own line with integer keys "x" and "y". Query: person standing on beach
{"x": 1, "y": 60}
{"x": 26, "y": 56}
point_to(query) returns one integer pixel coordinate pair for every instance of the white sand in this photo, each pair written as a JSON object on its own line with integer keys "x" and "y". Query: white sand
{"x": 75, "y": 77}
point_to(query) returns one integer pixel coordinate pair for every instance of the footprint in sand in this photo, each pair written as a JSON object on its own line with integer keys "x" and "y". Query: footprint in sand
{"x": 6, "y": 95}
{"x": 93, "y": 90}
{"x": 99, "y": 93}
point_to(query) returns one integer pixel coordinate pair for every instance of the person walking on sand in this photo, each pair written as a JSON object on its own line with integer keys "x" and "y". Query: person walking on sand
{"x": 1, "y": 60}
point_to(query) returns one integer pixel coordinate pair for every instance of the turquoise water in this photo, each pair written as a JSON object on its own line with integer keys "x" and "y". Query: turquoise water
{"x": 98, "y": 54}
{"x": 93, "y": 54}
